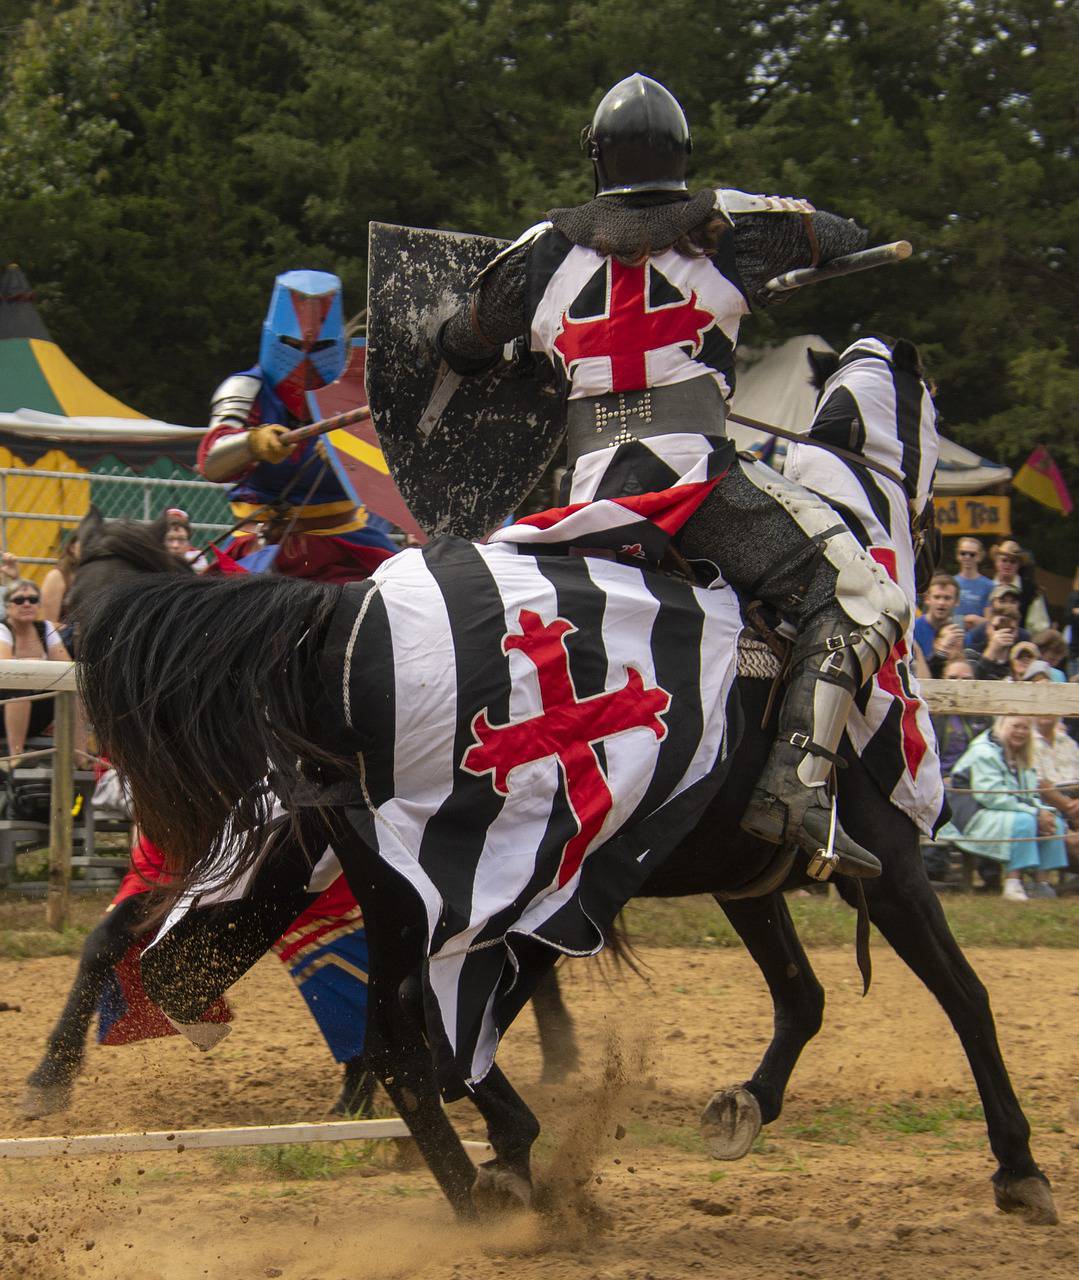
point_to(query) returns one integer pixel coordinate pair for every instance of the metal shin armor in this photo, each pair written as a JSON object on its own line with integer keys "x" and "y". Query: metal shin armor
{"x": 840, "y": 644}
{"x": 231, "y": 408}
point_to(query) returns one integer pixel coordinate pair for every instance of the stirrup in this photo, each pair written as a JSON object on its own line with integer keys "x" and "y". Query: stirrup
{"x": 822, "y": 863}
{"x": 828, "y": 848}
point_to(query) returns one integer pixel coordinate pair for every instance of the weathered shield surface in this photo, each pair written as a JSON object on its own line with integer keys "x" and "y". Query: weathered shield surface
{"x": 496, "y": 432}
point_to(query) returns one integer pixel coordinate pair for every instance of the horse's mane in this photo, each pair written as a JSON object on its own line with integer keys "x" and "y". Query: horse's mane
{"x": 140, "y": 546}
{"x": 113, "y": 551}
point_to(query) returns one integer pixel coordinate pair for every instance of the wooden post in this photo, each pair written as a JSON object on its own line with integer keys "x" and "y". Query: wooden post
{"x": 58, "y": 903}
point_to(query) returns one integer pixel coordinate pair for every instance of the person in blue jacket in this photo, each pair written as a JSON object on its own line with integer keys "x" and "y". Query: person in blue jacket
{"x": 1004, "y": 817}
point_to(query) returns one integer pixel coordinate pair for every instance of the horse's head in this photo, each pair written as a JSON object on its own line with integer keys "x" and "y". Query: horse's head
{"x": 822, "y": 364}
{"x": 111, "y": 552}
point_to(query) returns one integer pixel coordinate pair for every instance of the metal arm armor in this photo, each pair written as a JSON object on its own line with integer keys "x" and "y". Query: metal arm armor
{"x": 226, "y": 450}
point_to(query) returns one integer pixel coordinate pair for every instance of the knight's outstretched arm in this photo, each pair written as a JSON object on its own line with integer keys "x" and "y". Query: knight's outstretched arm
{"x": 767, "y": 244}
{"x": 471, "y": 340}
{"x": 231, "y": 446}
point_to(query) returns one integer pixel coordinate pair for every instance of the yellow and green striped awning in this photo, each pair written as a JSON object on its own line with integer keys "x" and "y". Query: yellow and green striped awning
{"x": 35, "y": 374}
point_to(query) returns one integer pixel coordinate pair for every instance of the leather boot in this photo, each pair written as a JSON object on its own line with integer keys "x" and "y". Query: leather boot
{"x": 790, "y": 804}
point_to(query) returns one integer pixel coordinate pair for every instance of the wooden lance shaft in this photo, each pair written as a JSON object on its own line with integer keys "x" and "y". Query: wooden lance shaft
{"x": 882, "y": 255}
{"x": 299, "y": 434}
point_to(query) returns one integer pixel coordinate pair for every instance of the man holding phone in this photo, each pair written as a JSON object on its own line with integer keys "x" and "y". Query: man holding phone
{"x": 936, "y": 632}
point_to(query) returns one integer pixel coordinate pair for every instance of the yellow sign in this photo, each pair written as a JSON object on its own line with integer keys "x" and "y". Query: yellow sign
{"x": 974, "y": 514}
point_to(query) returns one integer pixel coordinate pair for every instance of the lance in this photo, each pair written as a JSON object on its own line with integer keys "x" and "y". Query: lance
{"x": 299, "y": 434}
{"x": 881, "y": 255}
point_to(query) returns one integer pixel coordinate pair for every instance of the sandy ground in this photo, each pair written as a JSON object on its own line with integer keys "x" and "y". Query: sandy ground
{"x": 878, "y": 1167}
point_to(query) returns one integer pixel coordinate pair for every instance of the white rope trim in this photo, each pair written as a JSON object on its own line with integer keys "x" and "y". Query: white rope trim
{"x": 349, "y": 648}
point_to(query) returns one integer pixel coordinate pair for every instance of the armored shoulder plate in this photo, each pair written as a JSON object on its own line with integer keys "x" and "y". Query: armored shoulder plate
{"x": 526, "y": 237}
{"x": 729, "y": 201}
{"x": 231, "y": 402}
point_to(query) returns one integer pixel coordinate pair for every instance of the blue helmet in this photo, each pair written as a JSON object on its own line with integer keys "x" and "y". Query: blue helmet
{"x": 303, "y": 337}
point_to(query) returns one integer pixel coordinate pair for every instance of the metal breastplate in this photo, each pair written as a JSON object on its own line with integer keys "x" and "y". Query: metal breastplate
{"x": 620, "y": 417}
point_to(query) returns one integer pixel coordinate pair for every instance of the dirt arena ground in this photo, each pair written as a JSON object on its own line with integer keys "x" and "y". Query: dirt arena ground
{"x": 878, "y": 1168}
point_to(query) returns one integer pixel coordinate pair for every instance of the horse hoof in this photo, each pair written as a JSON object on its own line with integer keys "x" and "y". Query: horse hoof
{"x": 498, "y": 1190}
{"x": 1030, "y": 1197}
{"x": 730, "y": 1123}
{"x": 44, "y": 1100}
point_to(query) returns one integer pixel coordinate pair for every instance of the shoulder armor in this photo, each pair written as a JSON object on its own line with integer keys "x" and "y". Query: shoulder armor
{"x": 526, "y": 237}
{"x": 231, "y": 402}
{"x": 729, "y": 201}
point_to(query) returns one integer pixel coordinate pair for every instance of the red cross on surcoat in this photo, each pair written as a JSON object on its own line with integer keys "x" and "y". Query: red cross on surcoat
{"x": 891, "y": 681}
{"x": 631, "y": 328}
{"x": 567, "y": 728}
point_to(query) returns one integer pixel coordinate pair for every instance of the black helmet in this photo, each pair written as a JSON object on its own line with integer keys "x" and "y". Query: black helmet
{"x": 638, "y": 139}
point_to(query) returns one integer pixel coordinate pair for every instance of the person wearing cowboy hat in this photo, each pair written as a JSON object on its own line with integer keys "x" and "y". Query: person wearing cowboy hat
{"x": 995, "y": 637}
{"x": 1015, "y": 567}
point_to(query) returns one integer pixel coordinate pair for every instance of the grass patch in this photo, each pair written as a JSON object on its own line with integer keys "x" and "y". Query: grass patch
{"x": 909, "y": 1117}
{"x": 843, "y": 1124}
{"x": 687, "y": 1140}
{"x": 295, "y": 1161}
{"x": 837, "y": 1124}
{"x": 976, "y": 920}
{"x": 24, "y": 935}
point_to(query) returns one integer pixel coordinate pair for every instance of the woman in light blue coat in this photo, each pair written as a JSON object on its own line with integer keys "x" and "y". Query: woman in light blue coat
{"x": 1011, "y": 824}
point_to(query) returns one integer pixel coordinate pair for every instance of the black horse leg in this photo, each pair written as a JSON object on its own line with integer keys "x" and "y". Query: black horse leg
{"x": 905, "y": 909}
{"x": 558, "y": 1043}
{"x": 49, "y": 1084}
{"x": 511, "y": 1129}
{"x": 358, "y": 1086}
{"x": 908, "y": 913}
{"x": 394, "y": 1044}
{"x": 734, "y": 1117}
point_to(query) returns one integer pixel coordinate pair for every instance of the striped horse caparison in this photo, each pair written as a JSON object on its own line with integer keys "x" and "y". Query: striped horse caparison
{"x": 344, "y": 692}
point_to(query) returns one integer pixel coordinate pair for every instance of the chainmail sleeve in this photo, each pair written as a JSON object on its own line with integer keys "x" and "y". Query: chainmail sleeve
{"x": 472, "y": 337}
{"x": 767, "y": 244}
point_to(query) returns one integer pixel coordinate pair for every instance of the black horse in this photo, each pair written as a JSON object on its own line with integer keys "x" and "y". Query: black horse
{"x": 114, "y": 552}
{"x": 228, "y": 674}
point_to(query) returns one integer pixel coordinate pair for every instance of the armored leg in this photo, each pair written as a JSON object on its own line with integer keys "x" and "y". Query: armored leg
{"x": 847, "y": 613}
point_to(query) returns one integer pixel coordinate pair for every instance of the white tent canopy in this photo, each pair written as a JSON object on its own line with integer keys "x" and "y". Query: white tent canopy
{"x": 773, "y": 386}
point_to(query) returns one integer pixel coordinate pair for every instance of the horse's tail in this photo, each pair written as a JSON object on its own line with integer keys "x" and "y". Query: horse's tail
{"x": 198, "y": 688}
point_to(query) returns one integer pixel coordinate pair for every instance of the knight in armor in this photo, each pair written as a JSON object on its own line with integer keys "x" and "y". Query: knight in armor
{"x": 290, "y": 493}
{"x": 635, "y": 299}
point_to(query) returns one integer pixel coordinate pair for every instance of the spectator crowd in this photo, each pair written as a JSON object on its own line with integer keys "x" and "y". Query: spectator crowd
{"x": 1013, "y": 781}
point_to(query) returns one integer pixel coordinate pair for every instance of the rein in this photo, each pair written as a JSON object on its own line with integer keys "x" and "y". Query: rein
{"x": 846, "y": 454}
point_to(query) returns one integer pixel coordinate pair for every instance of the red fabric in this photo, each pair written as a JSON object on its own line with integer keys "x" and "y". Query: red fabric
{"x": 668, "y": 509}
{"x": 567, "y": 728}
{"x": 631, "y": 329}
{"x": 324, "y": 915}
{"x": 317, "y": 557}
{"x": 147, "y": 869}
{"x": 137, "y": 1017}
{"x": 223, "y": 562}
{"x": 890, "y": 680}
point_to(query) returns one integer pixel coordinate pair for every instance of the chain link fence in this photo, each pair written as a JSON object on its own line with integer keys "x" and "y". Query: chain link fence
{"x": 39, "y": 508}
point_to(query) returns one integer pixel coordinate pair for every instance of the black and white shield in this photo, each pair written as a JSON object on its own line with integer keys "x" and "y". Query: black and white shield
{"x": 464, "y": 452}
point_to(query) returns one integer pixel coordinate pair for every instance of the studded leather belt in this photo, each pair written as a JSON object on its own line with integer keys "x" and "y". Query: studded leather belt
{"x": 604, "y": 422}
